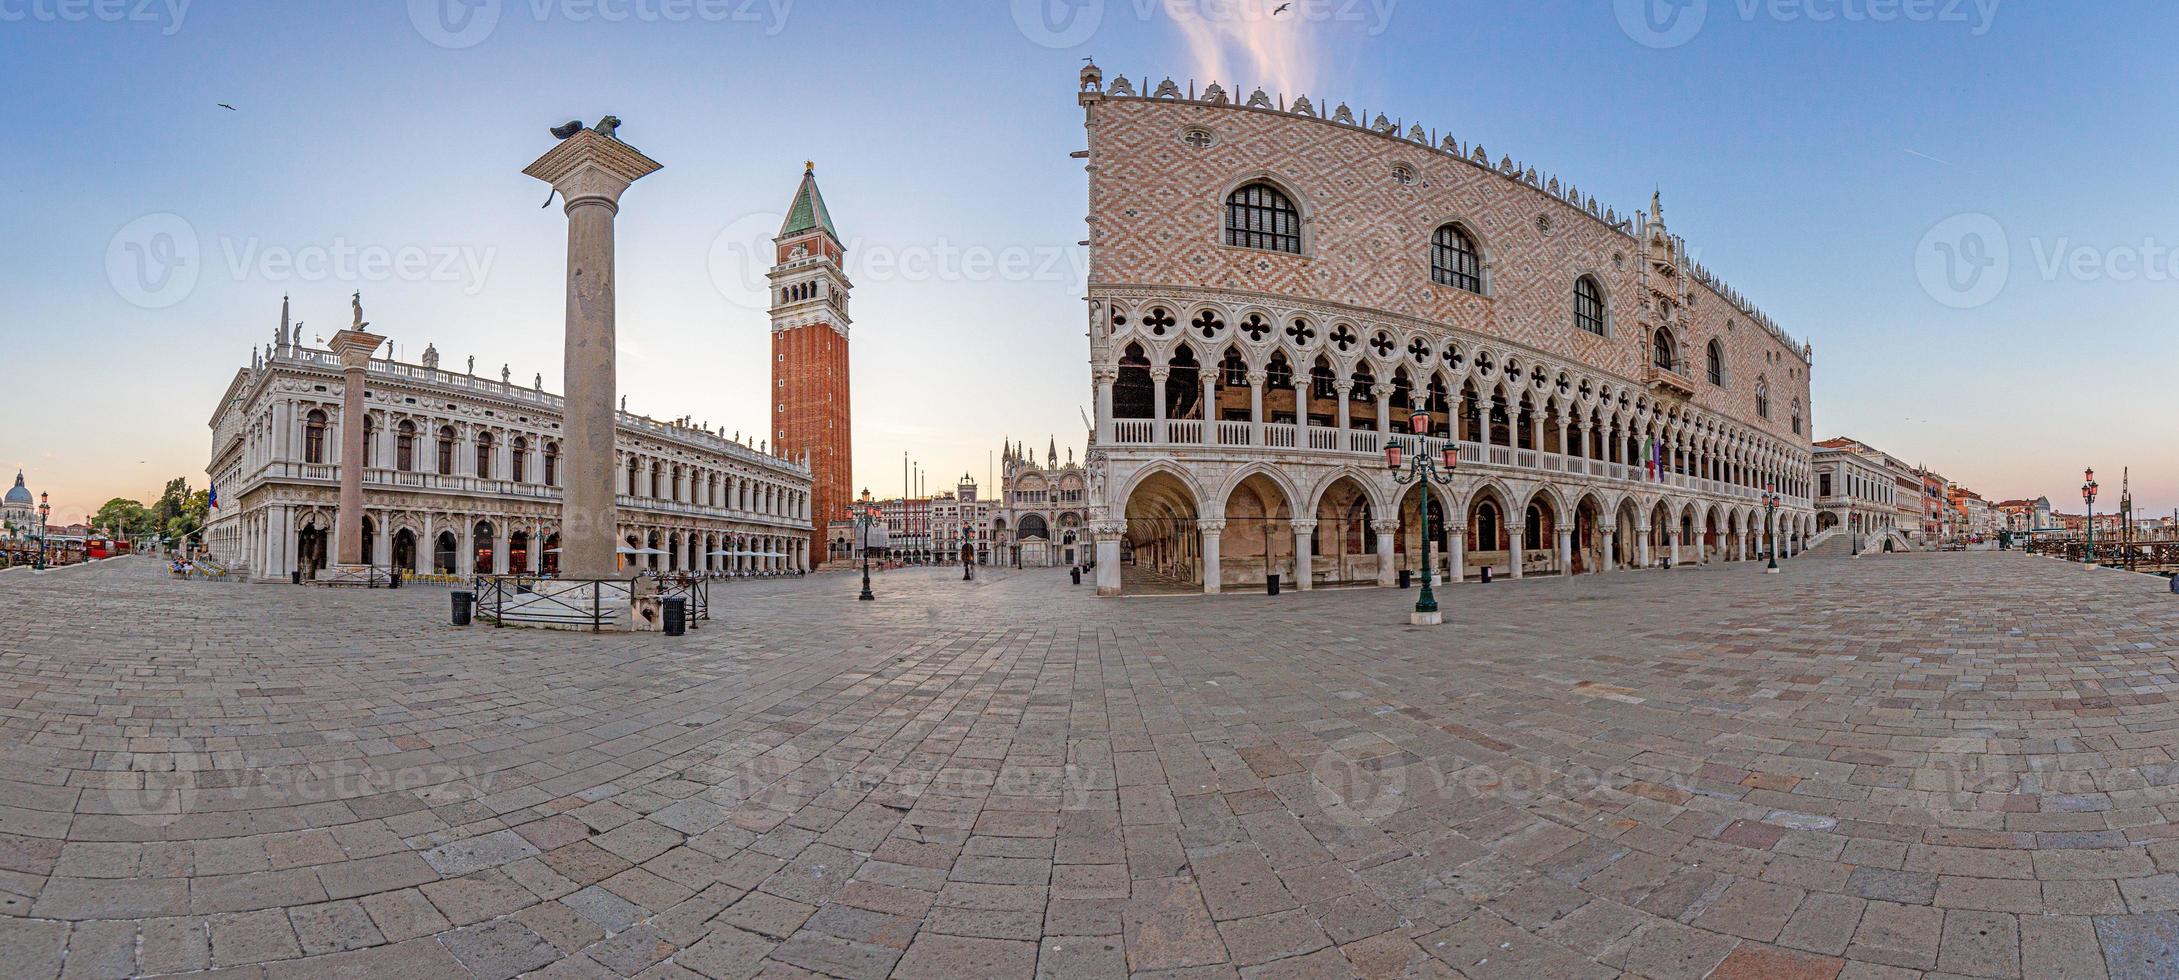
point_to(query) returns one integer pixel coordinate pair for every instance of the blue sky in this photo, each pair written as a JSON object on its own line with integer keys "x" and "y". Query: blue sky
{"x": 1818, "y": 155}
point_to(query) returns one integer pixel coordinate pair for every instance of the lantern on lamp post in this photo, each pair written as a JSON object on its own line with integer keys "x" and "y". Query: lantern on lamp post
{"x": 2088, "y": 497}
{"x": 868, "y": 517}
{"x": 1770, "y": 526}
{"x": 45, "y": 513}
{"x": 1421, "y": 468}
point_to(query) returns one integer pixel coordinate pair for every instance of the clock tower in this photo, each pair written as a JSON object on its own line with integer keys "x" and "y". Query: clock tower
{"x": 809, "y": 394}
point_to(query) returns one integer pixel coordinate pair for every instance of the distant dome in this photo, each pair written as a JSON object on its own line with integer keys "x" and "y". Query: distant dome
{"x": 20, "y": 494}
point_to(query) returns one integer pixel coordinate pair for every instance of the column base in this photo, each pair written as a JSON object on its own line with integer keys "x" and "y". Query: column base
{"x": 1770, "y": 571}
{"x": 1426, "y": 618}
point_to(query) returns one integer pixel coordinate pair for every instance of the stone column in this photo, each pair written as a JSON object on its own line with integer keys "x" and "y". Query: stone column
{"x": 1611, "y": 549}
{"x": 1209, "y": 406}
{"x": 1106, "y": 376}
{"x": 590, "y": 170}
{"x": 1302, "y": 381}
{"x": 354, "y": 347}
{"x": 1672, "y": 540}
{"x": 1157, "y": 403}
{"x": 1213, "y": 576}
{"x": 1108, "y": 535}
{"x": 1456, "y": 551}
{"x": 1304, "y": 573}
{"x": 1641, "y": 535}
{"x": 1513, "y": 549}
{"x": 1566, "y": 551}
{"x": 1386, "y": 573}
{"x": 1256, "y": 407}
{"x": 1341, "y": 390}
{"x": 1384, "y": 410}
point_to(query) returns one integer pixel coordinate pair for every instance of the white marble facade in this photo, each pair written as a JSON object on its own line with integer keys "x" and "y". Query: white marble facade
{"x": 463, "y": 476}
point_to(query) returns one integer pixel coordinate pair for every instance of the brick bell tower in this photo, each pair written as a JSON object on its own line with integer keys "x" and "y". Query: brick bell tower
{"x": 809, "y": 355}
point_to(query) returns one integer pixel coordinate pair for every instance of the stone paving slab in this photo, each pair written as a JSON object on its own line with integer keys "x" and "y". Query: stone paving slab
{"x": 1946, "y": 764}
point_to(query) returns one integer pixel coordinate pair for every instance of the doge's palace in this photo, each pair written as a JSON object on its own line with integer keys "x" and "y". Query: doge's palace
{"x": 1276, "y": 288}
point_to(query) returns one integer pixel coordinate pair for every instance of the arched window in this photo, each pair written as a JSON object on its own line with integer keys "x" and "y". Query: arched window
{"x": 1796, "y": 416}
{"x": 404, "y": 446}
{"x": 1454, "y": 261}
{"x": 1261, "y": 216}
{"x": 484, "y": 455}
{"x": 314, "y": 437}
{"x": 1717, "y": 364}
{"x": 370, "y": 441}
{"x": 552, "y": 464}
{"x": 1589, "y": 305}
{"x": 1660, "y": 351}
{"x": 520, "y": 448}
{"x": 1762, "y": 397}
{"x": 446, "y": 450}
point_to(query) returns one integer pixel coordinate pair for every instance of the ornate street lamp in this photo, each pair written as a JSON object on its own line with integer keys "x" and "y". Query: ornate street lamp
{"x": 1423, "y": 469}
{"x": 1770, "y": 516}
{"x": 45, "y": 511}
{"x": 869, "y": 516}
{"x": 2088, "y": 495}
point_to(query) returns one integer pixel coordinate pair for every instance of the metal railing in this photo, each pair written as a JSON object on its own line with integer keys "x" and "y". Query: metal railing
{"x": 592, "y": 603}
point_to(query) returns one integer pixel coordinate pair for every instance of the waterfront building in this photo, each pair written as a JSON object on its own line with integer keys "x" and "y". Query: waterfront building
{"x": 1274, "y": 287}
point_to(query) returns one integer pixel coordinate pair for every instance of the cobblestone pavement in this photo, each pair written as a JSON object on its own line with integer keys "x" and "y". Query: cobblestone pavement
{"x": 1955, "y": 764}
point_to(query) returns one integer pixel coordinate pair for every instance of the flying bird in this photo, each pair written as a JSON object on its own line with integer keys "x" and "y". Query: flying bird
{"x": 227, "y": 107}
{"x": 1280, "y": 9}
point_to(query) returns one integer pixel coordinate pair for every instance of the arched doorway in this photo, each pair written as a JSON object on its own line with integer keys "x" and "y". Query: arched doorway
{"x": 310, "y": 550}
{"x": 404, "y": 549}
{"x": 518, "y": 553}
{"x": 1163, "y": 546}
{"x": 1407, "y": 543}
{"x": 480, "y": 555}
{"x": 1259, "y": 537}
{"x": 1588, "y": 537}
{"x": 1540, "y": 535}
{"x": 370, "y": 541}
{"x": 444, "y": 553}
{"x": 1487, "y": 544}
{"x": 1627, "y": 535}
{"x": 1346, "y": 548}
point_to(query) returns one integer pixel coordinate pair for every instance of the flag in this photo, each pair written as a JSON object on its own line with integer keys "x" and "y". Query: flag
{"x": 1649, "y": 458}
{"x": 211, "y": 495}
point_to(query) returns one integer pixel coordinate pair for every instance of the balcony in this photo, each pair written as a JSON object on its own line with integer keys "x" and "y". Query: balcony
{"x": 1666, "y": 379}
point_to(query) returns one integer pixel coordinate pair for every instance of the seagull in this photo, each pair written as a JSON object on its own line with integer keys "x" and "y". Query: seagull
{"x": 227, "y": 107}
{"x": 1280, "y": 9}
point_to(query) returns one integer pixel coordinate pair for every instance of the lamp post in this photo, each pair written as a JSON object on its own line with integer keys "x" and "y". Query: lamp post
{"x": 2088, "y": 497}
{"x": 1770, "y": 518}
{"x": 1423, "y": 470}
{"x": 45, "y": 511}
{"x": 968, "y": 551}
{"x": 869, "y": 516}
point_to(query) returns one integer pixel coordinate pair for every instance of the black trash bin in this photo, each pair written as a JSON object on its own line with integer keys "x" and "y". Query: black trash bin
{"x": 1271, "y": 584}
{"x": 676, "y": 615}
{"x": 393, "y": 579}
{"x": 1486, "y": 574}
{"x": 296, "y": 577}
{"x": 1075, "y": 573}
{"x": 464, "y": 603}
{"x": 1407, "y": 577}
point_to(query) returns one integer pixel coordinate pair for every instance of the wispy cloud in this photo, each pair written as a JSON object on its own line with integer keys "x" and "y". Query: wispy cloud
{"x": 1246, "y": 44}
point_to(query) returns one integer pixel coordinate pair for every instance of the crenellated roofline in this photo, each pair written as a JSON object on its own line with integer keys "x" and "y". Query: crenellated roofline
{"x": 1634, "y": 225}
